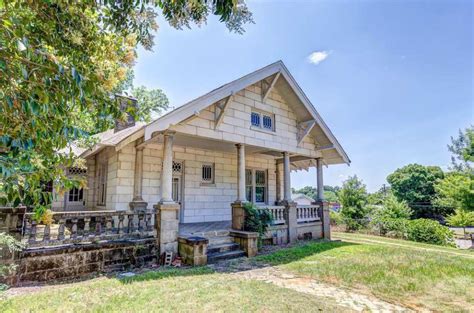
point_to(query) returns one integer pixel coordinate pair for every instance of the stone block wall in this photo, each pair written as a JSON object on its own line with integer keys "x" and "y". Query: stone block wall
{"x": 63, "y": 262}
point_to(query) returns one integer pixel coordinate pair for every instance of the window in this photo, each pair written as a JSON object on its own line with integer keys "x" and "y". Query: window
{"x": 101, "y": 183}
{"x": 256, "y": 185}
{"x": 255, "y": 119}
{"x": 207, "y": 174}
{"x": 262, "y": 120}
{"x": 248, "y": 185}
{"x": 260, "y": 186}
{"x": 76, "y": 195}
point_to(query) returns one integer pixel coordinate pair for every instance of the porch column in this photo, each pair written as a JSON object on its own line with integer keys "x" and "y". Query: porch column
{"x": 167, "y": 170}
{"x": 286, "y": 177}
{"x": 167, "y": 211}
{"x": 241, "y": 172}
{"x": 238, "y": 213}
{"x": 319, "y": 180}
{"x": 279, "y": 182}
{"x": 290, "y": 206}
{"x": 138, "y": 203}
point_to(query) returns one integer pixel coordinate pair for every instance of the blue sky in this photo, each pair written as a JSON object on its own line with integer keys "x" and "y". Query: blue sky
{"x": 396, "y": 83}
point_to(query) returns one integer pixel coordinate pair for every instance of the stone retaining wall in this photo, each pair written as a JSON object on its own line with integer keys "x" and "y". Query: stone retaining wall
{"x": 72, "y": 261}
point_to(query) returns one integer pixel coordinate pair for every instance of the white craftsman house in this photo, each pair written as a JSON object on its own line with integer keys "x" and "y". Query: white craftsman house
{"x": 234, "y": 144}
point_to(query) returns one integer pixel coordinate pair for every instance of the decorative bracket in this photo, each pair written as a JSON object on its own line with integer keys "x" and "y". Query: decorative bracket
{"x": 267, "y": 86}
{"x": 304, "y": 128}
{"x": 220, "y": 110}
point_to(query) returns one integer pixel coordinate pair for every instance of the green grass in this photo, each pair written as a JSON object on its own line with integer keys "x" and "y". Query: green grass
{"x": 412, "y": 274}
{"x": 192, "y": 290}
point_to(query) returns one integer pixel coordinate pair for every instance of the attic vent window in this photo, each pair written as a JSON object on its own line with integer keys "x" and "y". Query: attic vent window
{"x": 256, "y": 119}
{"x": 263, "y": 121}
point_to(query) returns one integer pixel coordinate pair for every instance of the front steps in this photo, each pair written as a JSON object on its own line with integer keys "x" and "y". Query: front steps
{"x": 221, "y": 246}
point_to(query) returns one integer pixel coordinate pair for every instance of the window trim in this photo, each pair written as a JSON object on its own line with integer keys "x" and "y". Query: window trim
{"x": 101, "y": 200}
{"x": 262, "y": 115}
{"x": 253, "y": 171}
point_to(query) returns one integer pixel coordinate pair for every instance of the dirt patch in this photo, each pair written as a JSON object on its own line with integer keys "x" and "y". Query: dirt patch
{"x": 343, "y": 297}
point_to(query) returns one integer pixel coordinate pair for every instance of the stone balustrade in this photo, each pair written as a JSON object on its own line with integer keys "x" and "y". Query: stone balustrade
{"x": 87, "y": 226}
{"x": 277, "y": 212}
{"x": 307, "y": 213}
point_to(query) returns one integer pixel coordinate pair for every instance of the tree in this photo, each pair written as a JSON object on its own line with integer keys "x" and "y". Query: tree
{"x": 462, "y": 219}
{"x": 414, "y": 183}
{"x": 378, "y": 197}
{"x": 60, "y": 62}
{"x": 353, "y": 197}
{"x": 456, "y": 190}
{"x": 312, "y": 192}
{"x": 462, "y": 149}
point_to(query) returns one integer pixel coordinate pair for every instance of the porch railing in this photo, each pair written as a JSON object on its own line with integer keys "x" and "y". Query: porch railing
{"x": 87, "y": 226}
{"x": 307, "y": 213}
{"x": 277, "y": 212}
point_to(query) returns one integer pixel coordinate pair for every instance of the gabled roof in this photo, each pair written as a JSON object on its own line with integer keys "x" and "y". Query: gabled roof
{"x": 189, "y": 109}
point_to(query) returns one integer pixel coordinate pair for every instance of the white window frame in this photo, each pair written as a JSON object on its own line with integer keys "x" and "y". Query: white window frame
{"x": 254, "y": 185}
{"x": 212, "y": 180}
{"x": 262, "y": 115}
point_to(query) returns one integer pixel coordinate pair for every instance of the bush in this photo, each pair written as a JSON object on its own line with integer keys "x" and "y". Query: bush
{"x": 335, "y": 218}
{"x": 462, "y": 219}
{"x": 391, "y": 227}
{"x": 11, "y": 245}
{"x": 429, "y": 231}
{"x": 256, "y": 220}
{"x": 391, "y": 216}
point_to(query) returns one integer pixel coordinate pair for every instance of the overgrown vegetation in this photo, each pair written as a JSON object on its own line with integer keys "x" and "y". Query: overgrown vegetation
{"x": 8, "y": 246}
{"x": 257, "y": 220}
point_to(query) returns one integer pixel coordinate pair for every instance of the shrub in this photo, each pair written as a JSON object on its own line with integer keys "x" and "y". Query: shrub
{"x": 429, "y": 231}
{"x": 462, "y": 219}
{"x": 335, "y": 218}
{"x": 256, "y": 220}
{"x": 11, "y": 245}
{"x": 391, "y": 227}
{"x": 391, "y": 216}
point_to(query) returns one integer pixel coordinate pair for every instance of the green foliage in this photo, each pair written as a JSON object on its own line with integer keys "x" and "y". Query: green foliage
{"x": 330, "y": 192}
{"x": 429, "y": 231}
{"x": 256, "y": 220}
{"x": 415, "y": 183}
{"x": 335, "y": 218}
{"x": 353, "y": 197}
{"x": 462, "y": 149}
{"x": 456, "y": 190}
{"x": 60, "y": 62}
{"x": 462, "y": 219}
{"x": 391, "y": 216}
{"x": 8, "y": 243}
{"x": 149, "y": 101}
{"x": 379, "y": 196}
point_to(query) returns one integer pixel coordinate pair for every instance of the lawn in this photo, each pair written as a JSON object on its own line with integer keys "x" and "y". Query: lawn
{"x": 416, "y": 275}
{"x": 191, "y": 290}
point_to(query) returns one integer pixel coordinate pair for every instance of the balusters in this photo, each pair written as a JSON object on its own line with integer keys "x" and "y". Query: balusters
{"x": 46, "y": 233}
{"x": 141, "y": 222}
{"x": 32, "y": 237}
{"x": 120, "y": 223}
{"x": 61, "y": 228}
{"x": 108, "y": 224}
{"x": 149, "y": 225}
{"x": 74, "y": 228}
{"x": 87, "y": 222}
{"x": 131, "y": 223}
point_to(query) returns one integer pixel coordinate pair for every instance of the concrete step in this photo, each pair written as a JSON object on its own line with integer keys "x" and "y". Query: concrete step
{"x": 227, "y": 255}
{"x": 223, "y": 247}
{"x": 213, "y": 241}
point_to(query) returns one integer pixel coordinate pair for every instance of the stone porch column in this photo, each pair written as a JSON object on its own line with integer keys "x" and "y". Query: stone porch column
{"x": 138, "y": 203}
{"x": 167, "y": 211}
{"x": 319, "y": 179}
{"x": 286, "y": 177}
{"x": 291, "y": 218}
{"x": 238, "y": 213}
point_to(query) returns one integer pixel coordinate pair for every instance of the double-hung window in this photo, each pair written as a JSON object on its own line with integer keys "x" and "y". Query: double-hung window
{"x": 262, "y": 120}
{"x": 256, "y": 187}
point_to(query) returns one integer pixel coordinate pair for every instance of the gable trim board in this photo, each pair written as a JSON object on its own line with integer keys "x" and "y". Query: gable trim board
{"x": 195, "y": 106}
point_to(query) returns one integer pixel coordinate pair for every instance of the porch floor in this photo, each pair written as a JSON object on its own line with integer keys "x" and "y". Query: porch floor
{"x": 204, "y": 229}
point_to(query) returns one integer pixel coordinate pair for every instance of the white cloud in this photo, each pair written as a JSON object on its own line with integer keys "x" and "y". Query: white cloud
{"x": 317, "y": 57}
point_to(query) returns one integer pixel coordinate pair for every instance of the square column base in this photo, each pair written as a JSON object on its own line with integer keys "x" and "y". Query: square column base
{"x": 167, "y": 225}
{"x": 138, "y": 205}
{"x": 193, "y": 250}
{"x": 238, "y": 215}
